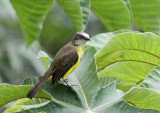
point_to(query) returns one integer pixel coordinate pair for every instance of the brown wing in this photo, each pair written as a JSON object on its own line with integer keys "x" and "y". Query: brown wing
{"x": 63, "y": 61}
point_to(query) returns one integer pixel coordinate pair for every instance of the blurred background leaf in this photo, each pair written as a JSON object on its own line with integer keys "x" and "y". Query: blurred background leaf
{"x": 146, "y": 14}
{"x": 77, "y": 11}
{"x": 31, "y": 15}
{"x": 113, "y": 13}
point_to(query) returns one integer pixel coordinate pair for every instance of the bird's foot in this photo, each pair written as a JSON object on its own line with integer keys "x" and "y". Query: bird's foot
{"x": 66, "y": 82}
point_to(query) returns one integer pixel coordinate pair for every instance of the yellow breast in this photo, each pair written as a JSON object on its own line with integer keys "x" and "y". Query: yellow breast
{"x": 79, "y": 51}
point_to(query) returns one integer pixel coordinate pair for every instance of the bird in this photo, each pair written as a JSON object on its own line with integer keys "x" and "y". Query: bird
{"x": 64, "y": 63}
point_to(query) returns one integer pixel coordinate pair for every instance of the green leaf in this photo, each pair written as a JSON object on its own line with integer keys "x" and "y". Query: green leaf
{"x": 146, "y": 14}
{"x": 87, "y": 96}
{"x": 122, "y": 107}
{"x": 77, "y": 11}
{"x": 113, "y": 13}
{"x": 125, "y": 87}
{"x": 31, "y": 14}
{"x": 12, "y": 110}
{"x": 25, "y": 103}
{"x": 105, "y": 80}
{"x": 129, "y": 56}
{"x": 143, "y": 98}
{"x": 85, "y": 8}
{"x": 152, "y": 80}
{"x": 5, "y": 106}
{"x": 10, "y": 93}
{"x": 99, "y": 41}
{"x": 44, "y": 57}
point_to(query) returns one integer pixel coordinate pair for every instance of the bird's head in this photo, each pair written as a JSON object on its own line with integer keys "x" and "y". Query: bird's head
{"x": 80, "y": 39}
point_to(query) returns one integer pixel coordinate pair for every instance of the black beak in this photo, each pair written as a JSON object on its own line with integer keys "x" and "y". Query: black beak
{"x": 88, "y": 39}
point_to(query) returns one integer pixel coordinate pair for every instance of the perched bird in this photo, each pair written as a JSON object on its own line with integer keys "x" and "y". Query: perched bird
{"x": 64, "y": 63}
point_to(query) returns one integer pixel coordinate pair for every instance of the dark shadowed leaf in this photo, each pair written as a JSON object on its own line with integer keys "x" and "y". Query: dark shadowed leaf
{"x": 146, "y": 14}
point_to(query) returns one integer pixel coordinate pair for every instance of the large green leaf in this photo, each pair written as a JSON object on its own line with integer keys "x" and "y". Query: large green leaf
{"x": 77, "y": 11}
{"x": 122, "y": 107}
{"x": 152, "y": 80}
{"x": 9, "y": 93}
{"x": 113, "y": 13}
{"x": 129, "y": 56}
{"x": 31, "y": 15}
{"x": 99, "y": 41}
{"x": 146, "y": 14}
{"x": 143, "y": 98}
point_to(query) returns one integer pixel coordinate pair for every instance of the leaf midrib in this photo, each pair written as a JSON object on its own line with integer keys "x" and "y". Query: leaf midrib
{"x": 129, "y": 60}
{"x": 68, "y": 104}
{"x": 82, "y": 91}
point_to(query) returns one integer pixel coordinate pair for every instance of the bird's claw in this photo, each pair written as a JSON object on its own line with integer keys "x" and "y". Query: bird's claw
{"x": 66, "y": 82}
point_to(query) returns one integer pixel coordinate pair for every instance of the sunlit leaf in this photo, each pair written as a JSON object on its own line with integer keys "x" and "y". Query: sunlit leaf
{"x": 125, "y": 87}
{"x": 146, "y": 14}
{"x": 25, "y": 103}
{"x": 99, "y": 41}
{"x": 12, "y": 110}
{"x": 129, "y": 56}
{"x": 143, "y": 98}
{"x": 10, "y": 93}
{"x": 122, "y": 107}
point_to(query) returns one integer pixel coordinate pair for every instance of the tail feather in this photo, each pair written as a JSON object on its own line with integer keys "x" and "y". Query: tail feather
{"x": 34, "y": 90}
